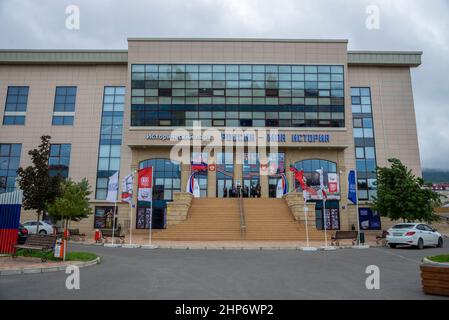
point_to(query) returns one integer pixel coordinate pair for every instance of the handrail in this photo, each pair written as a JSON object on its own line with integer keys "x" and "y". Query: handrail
{"x": 242, "y": 214}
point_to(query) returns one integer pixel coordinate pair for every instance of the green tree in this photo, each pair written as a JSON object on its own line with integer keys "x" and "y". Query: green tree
{"x": 400, "y": 195}
{"x": 39, "y": 188}
{"x": 72, "y": 204}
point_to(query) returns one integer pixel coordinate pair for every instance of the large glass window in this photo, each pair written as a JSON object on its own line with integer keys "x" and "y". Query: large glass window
{"x": 64, "y": 107}
{"x": 16, "y": 106}
{"x": 9, "y": 163}
{"x": 310, "y": 168}
{"x": 265, "y": 95}
{"x": 166, "y": 177}
{"x": 365, "y": 150}
{"x": 110, "y": 138}
{"x": 59, "y": 160}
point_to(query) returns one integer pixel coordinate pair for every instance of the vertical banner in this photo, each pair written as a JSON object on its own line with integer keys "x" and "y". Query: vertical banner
{"x": 145, "y": 185}
{"x": 127, "y": 188}
{"x": 352, "y": 187}
{"x": 112, "y": 188}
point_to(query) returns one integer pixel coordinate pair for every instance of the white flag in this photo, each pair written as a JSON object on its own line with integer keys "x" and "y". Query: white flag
{"x": 112, "y": 188}
{"x": 127, "y": 188}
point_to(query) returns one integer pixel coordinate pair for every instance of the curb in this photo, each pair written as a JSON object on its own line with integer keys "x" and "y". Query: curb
{"x": 10, "y": 272}
{"x": 275, "y": 248}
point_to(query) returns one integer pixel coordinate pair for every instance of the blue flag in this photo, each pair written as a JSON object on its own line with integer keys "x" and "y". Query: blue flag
{"x": 352, "y": 187}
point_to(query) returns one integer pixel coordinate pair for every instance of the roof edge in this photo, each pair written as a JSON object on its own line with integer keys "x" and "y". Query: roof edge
{"x": 236, "y": 40}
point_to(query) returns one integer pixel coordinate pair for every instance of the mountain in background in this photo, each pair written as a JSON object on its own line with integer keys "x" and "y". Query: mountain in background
{"x": 435, "y": 175}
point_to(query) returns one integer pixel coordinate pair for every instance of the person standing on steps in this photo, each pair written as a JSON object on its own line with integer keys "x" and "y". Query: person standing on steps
{"x": 225, "y": 192}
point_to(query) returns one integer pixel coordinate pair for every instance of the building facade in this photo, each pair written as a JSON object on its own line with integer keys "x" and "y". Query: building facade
{"x": 324, "y": 107}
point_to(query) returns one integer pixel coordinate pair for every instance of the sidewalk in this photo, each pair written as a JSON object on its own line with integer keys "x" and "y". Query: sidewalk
{"x": 240, "y": 244}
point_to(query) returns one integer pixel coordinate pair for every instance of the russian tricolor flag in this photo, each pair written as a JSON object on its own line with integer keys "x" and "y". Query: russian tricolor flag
{"x": 10, "y": 206}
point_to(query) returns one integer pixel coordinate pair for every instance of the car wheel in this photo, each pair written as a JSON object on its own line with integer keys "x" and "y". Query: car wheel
{"x": 440, "y": 242}
{"x": 392, "y": 245}
{"x": 420, "y": 244}
{"x": 42, "y": 232}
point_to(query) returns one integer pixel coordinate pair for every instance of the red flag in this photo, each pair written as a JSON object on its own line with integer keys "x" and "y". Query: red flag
{"x": 299, "y": 176}
{"x": 145, "y": 178}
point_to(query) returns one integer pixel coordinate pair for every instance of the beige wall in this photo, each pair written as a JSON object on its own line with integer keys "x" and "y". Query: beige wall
{"x": 90, "y": 81}
{"x": 393, "y": 113}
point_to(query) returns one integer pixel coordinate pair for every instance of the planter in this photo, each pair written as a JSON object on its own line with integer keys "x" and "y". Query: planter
{"x": 435, "y": 277}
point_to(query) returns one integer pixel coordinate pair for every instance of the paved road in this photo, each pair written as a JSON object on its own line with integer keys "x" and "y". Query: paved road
{"x": 239, "y": 274}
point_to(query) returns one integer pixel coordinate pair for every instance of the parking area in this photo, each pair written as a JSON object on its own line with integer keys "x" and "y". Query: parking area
{"x": 232, "y": 274}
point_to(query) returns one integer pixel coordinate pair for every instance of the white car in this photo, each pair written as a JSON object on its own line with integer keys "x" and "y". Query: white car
{"x": 414, "y": 234}
{"x": 44, "y": 227}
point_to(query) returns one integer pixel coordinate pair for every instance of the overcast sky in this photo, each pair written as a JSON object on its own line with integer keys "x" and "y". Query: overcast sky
{"x": 404, "y": 25}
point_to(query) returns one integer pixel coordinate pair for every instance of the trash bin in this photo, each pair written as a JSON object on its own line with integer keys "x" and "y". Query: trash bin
{"x": 59, "y": 248}
{"x": 362, "y": 238}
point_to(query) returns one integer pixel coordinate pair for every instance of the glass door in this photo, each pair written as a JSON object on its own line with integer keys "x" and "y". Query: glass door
{"x": 225, "y": 174}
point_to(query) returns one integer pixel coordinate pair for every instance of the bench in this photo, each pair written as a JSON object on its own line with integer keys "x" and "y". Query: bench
{"x": 44, "y": 243}
{"x": 382, "y": 238}
{"x": 74, "y": 234}
{"x": 345, "y": 235}
{"x": 107, "y": 233}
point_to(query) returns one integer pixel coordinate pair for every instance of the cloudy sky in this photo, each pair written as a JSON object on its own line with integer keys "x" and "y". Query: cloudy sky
{"x": 404, "y": 25}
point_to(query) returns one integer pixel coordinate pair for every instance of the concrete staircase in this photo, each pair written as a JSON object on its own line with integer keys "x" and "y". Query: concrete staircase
{"x": 212, "y": 219}
{"x": 209, "y": 219}
{"x": 271, "y": 219}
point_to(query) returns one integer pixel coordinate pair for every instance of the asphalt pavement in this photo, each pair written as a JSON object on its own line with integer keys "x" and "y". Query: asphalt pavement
{"x": 232, "y": 274}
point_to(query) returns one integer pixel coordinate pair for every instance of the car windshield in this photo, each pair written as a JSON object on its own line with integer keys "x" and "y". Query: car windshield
{"x": 403, "y": 226}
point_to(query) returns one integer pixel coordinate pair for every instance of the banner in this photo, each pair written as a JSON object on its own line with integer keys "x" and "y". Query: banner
{"x": 352, "y": 187}
{"x": 369, "y": 220}
{"x": 145, "y": 185}
{"x": 127, "y": 188}
{"x": 112, "y": 188}
{"x": 198, "y": 166}
{"x": 322, "y": 191}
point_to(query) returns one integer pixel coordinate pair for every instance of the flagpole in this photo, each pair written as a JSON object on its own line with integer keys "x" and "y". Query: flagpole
{"x": 113, "y": 221}
{"x": 151, "y": 223}
{"x": 325, "y": 223}
{"x": 357, "y": 206}
{"x": 306, "y": 211}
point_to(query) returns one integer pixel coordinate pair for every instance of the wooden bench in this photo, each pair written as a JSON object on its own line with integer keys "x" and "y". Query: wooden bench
{"x": 382, "y": 238}
{"x": 107, "y": 233}
{"x": 344, "y": 235}
{"x": 74, "y": 234}
{"x": 44, "y": 243}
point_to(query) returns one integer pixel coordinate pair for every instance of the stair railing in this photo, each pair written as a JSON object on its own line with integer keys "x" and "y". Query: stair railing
{"x": 242, "y": 215}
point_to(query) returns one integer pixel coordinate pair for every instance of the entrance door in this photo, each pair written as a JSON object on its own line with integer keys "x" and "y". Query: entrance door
{"x": 225, "y": 173}
{"x": 272, "y": 186}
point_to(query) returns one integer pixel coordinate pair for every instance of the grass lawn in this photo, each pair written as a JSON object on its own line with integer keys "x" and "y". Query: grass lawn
{"x": 441, "y": 258}
{"x": 70, "y": 256}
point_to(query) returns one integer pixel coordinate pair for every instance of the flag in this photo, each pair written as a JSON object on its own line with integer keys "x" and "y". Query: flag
{"x": 145, "y": 185}
{"x": 198, "y": 166}
{"x": 299, "y": 176}
{"x": 282, "y": 186}
{"x": 193, "y": 186}
{"x": 127, "y": 188}
{"x": 321, "y": 173}
{"x": 352, "y": 187}
{"x": 112, "y": 188}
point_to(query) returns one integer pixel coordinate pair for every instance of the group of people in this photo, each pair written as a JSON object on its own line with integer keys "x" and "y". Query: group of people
{"x": 245, "y": 192}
